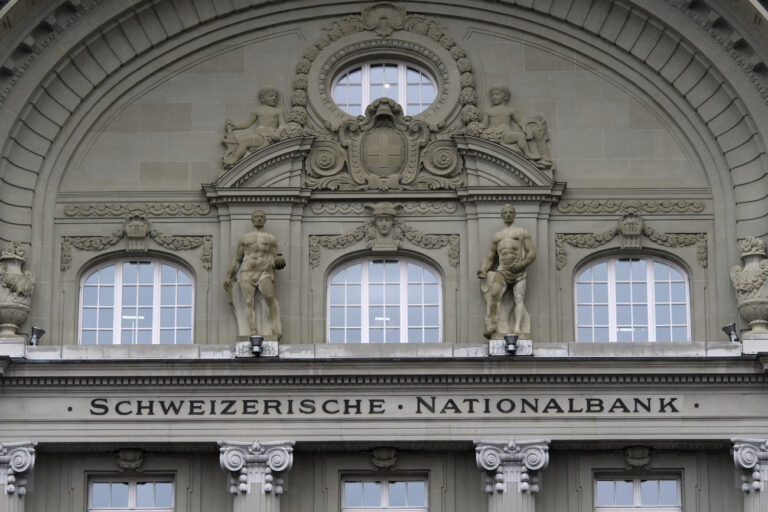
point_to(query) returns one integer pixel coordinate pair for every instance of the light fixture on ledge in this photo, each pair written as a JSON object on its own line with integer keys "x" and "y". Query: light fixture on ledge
{"x": 510, "y": 343}
{"x": 256, "y": 342}
{"x": 730, "y": 331}
{"x": 37, "y": 333}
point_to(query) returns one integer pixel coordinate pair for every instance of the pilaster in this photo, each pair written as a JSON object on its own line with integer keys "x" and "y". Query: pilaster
{"x": 16, "y": 459}
{"x": 751, "y": 459}
{"x": 512, "y": 467}
{"x": 253, "y": 467}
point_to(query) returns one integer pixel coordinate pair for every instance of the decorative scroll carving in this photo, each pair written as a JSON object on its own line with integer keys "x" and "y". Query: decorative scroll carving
{"x": 136, "y": 229}
{"x": 751, "y": 458}
{"x": 637, "y": 456}
{"x": 143, "y": 209}
{"x": 632, "y": 206}
{"x": 751, "y": 285}
{"x": 512, "y": 462}
{"x": 16, "y": 287}
{"x": 369, "y": 232}
{"x": 629, "y": 225}
{"x": 15, "y": 460}
{"x": 384, "y": 151}
{"x": 255, "y": 462}
{"x": 410, "y": 208}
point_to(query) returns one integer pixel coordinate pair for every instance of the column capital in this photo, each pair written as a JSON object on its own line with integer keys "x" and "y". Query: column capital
{"x": 751, "y": 456}
{"x": 256, "y": 461}
{"x": 16, "y": 458}
{"x": 512, "y": 461}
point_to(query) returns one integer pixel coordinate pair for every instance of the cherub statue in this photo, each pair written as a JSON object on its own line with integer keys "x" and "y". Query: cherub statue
{"x": 502, "y": 123}
{"x": 260, "y": 129}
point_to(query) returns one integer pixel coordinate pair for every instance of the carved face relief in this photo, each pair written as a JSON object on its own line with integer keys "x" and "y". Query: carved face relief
{"x": 384, "y": 151}
{"x": 259, "y": 218}
{"x": 508, "y": 214}
{"x": 384, "y": 224}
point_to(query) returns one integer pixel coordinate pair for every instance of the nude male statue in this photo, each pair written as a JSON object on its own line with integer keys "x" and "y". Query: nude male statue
{"x": 504, "y": 119}
{"x": 256, "y": 259}
{"x": 515, "y": 251}
{"x": 264, "y": 121}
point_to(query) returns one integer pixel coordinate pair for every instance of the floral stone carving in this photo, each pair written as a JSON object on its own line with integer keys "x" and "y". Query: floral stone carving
{"x": 384, "y": 150}
{"x": 751, "y": 284}
{"x": 16, "y": 287}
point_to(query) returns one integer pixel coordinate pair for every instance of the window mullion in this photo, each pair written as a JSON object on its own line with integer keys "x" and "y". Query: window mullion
{"x": 403, "y": 301}
{"x": 613, "y": 333}
{"x": 118, "y": 302}
{"x": 364, "y": 302}
{"x": 365, "y": 83}
{"x": 650, "y": 293}
{"x": 156, "y": 305}
{"x": 401, "y": 87}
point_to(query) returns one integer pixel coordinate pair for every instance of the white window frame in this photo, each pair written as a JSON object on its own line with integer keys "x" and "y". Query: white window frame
{"x": 118, "y": 299}
{"x": 650, "y": 297}
{"x": 132, "y": 492}
{"x": 637, "y": 496}
{"x": 402, "y": 82}
{"x": 403, "y": 304}
{"x": 385, "y": 494}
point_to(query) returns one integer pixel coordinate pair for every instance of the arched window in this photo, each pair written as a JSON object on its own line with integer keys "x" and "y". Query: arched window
{"x": 136, "y": 302}
{"x": 384, "y": 301}
{"x": 355, "y": 88}
{"x": 632, "y": 299}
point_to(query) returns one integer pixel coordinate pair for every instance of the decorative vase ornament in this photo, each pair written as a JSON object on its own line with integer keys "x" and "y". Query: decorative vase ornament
{"x": 751, "y": 284}
{"x": 16, "y": 288}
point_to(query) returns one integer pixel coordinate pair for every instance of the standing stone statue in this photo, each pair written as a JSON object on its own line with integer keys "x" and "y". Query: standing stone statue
{"x": 260, "y": 129}
{"x": 515, "y": 251}
{"x": 253, "y": 267}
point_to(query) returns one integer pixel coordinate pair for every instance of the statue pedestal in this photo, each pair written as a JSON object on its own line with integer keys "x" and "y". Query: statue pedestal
{"x": 752, "y": 343}
{"x": 268, "y": 349}
{"x": 13, "y": 345}
{"x": 498, "y": 347}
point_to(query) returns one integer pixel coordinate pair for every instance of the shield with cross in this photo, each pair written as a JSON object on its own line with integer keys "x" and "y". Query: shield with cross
{"x": 384, "y": 151}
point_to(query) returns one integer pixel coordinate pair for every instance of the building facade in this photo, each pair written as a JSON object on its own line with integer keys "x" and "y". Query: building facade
{"x": 356, "y": 256}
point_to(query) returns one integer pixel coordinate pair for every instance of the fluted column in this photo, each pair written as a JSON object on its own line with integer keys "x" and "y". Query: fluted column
{"x": 16, "y": 459}
{"x": 751, "y": 457}
{"x": 255, "y": 472}
{"x": 512, "y": 467}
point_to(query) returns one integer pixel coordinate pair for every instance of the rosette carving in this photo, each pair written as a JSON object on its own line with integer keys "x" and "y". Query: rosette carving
{"x": 441, "y": 158}
{"x": 325, "y": 159}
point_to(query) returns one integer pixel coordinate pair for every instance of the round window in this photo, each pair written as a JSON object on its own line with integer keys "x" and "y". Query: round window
{"x": 356, "y": 87}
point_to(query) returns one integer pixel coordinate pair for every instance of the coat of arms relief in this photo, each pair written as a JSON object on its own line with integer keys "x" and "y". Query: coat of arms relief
{"x": 384, "y": 150}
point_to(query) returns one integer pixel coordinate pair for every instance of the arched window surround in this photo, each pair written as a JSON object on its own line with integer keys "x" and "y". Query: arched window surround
{"x": 161, "y": 329}
{"x": 431, "y": 331}
{"x": 661, "y": 303}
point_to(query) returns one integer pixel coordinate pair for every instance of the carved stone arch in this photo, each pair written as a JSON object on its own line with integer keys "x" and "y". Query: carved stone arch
{"x": 702, "y": 85}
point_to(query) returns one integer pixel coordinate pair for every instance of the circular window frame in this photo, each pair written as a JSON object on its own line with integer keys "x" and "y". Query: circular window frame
{"x": 385, "y": 62}
{"x": 409, "y": 48}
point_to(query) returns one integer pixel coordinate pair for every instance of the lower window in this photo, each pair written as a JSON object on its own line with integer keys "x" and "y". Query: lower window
{"x": 130, "y": 494}
{"x": 661, "y": 495}
{"x": 403, "y": 495}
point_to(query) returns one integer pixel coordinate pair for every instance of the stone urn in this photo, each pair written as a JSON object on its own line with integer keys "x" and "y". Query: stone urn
{"x": 751, "y": 284}
{"x": 16, "y": 289}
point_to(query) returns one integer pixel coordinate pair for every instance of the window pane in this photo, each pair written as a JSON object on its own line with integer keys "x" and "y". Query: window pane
{"x": 414, "y": 273}
{"x": 623, "y": 315}
{"x": 397, "y": 494}
{"x": 144, "y": 337}
{"x": 166, "y": 337}
{"x": 414, "y": 316}
{"x": 89, "y": 337}
{"x": 106, "y": 316}
{"x": 130, "y": 295}
{"x": 622, "y": 292}
{"x": 371, "y": 494}
{"x": 92, "y": 279}
{"x": 107, "y": 275}
{"x": 431, "y": 315}
{"x": 624, "y": 492}
{"x": 337, "y": 317}
{"x": 602, "y": 334}
{"x": 638, "y": 292}
{"x": 354, "y": 336}
{"x": 604, "y": 493}
{"x": 107, "y": 296}
{"x": 355, "y": 94}
{"x": 353, "y": 317}
{"x": 146, "y": 271}
{"x": 393, "y": 336}
{"x": 145, "y": 318}
{"x": 100, "y": 494}
{"x": 660, "y": 271}
{"x": 662, "y": 292}
{"x": 145, "y": 295}
{"x": 668, "y": 492}
{"x": 145, "y": 494}
{"x": 414, "y": 294}
{"x": 89, "y": 318}
{"x": 639, "y": 315}
{"x": 105, "y": 338}
{"x": 336, "y": 336}
{"x": 376, "y": 317}
{"x": 641, "y": 334}
{"x": 638, "y": 270}
{"x": 663, "y": 334}
{"x": 649, "y": 492}
{"x": 415, "y": 336}
{"x": 355, "y": 77}
{"x": 600, "y": 291}
{"x": 431, "y": 294}
{"x": 184, "y": 296}
{"x": 583, "y": 293}
{"x": 353, "y": 294}
{"x": 584, "y": 315}
{"x": 119, "y": 494}
{"x": 163, "y": 494}
{"x": 416, "y": 494}
{"x": 679, "y": 334}
{"x": 584, "y": 334}
{"x": 601, "y": 315}
{"x": 678, "y": 292}
{"x": 622, "y": 270}
{"x": 662, "y": 314}
{"x": 377, "y": 336}
{"x": 353, "y": 494}
{"x": 183, "y": 336}
{"x": 393, "y": 294}
{"x": 431, "y": 335}
{"x": 184, "y": 317}
{"x": 679, "y": 314}
{"x": 167, "y": 274}
{"x": 392, "y": 315}
{"x": 90, "y": 296}
{"x": 376, "y": 294}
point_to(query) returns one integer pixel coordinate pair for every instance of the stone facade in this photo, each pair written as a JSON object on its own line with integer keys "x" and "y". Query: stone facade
{"x": 146, "y": 134}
